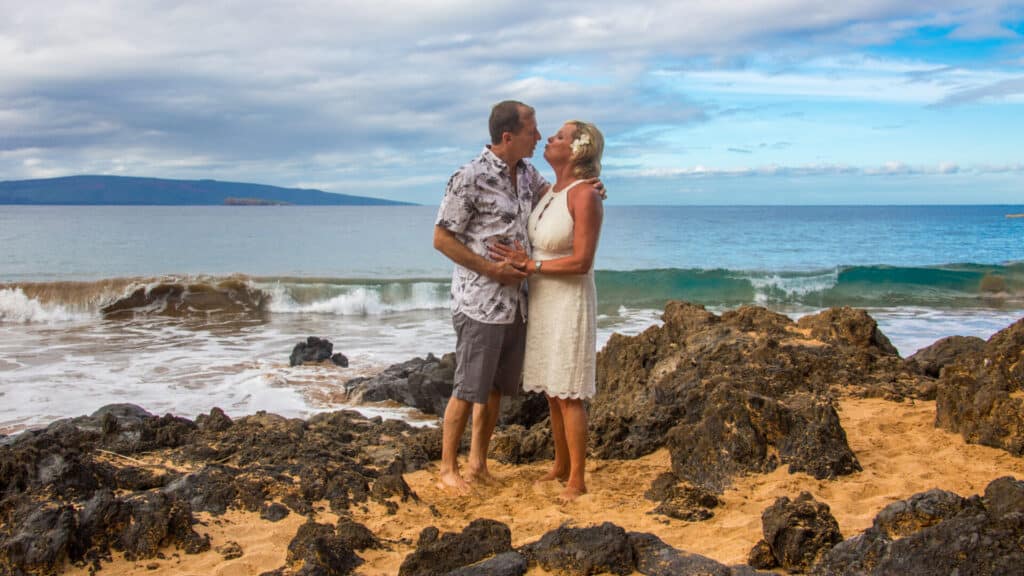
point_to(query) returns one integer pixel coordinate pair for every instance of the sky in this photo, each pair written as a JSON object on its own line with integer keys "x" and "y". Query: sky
{"x": 701, "y": 102}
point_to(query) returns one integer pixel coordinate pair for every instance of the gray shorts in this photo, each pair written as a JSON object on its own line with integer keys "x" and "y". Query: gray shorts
{"x": 487, "y": 357}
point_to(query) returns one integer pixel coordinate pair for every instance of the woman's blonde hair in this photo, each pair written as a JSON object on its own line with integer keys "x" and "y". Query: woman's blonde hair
{"x": 587, "y": 146}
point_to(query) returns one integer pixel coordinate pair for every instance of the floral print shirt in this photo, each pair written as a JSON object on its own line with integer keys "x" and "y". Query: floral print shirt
{"x": 481, "y": 206}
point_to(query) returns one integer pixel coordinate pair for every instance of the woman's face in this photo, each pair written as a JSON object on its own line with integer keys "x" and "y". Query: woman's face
{"x": 558, "y": 150}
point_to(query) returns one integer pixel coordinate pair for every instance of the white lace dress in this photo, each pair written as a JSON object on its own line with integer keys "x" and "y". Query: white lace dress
{"x": 561, "y": 332}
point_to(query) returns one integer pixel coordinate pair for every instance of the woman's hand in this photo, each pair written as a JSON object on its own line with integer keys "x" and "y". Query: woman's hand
{"x": 517, "y": 256}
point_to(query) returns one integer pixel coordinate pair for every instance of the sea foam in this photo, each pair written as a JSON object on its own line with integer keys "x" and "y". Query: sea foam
{"x": 18, "y": 308}
{"x": 791, "y": 288}
{"x": 355, "y": 300}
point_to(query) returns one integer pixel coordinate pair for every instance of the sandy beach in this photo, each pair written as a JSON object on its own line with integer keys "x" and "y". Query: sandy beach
{"x": 901, "y": 451}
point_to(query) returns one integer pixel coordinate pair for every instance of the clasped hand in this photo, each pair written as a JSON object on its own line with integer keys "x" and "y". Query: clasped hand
{"x": 516, "y": 256}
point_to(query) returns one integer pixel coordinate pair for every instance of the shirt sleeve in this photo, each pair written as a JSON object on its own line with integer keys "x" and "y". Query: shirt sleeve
{"x": 457, "y": 206}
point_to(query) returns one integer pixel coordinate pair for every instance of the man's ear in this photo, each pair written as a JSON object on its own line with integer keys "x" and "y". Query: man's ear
{"x": 506, "y": 137}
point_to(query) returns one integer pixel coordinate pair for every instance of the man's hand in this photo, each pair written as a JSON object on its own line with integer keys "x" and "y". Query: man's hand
{"x": 598, "y": 186}
{"x": 499, "y": 271}
{"x": 506, "y": 273}
{"x": 517, "y": 257}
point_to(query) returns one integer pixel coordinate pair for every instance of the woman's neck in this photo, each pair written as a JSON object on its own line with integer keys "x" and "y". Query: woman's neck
{"x": 564, "y": 176}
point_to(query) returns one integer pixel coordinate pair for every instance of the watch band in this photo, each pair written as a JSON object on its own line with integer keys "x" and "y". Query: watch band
{"x": 536, "y": 265}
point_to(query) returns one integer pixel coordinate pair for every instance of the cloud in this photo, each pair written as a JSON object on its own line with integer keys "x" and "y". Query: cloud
{"x": 365, "y": 93}
{"x": 853, "y": 77}
{"x": 810, "y": 170}
{"x": 1000, "y": 90}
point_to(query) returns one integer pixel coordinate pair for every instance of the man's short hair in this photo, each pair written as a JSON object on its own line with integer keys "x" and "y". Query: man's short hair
{"x": 505, "y": 117}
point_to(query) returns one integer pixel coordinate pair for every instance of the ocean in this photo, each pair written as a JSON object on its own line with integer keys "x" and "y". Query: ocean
{"x": 84, "y": 291}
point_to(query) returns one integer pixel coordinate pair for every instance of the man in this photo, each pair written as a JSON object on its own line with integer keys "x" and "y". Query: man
{"x": 486, "y": 201}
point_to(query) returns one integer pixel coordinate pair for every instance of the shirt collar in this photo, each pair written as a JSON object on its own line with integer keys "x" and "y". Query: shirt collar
{"x": 498, "y": 162}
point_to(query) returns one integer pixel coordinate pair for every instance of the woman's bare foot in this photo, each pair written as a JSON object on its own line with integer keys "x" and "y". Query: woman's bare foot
{"x": 571, "y": 493}
{"x": 480, "y": 476}
{"x": 454, "y": 483}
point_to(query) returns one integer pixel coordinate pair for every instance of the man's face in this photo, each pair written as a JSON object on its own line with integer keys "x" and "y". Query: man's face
{"x": 525, "y": 140}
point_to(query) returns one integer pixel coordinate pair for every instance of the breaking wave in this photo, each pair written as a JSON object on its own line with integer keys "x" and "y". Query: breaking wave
{"x": 946, "y": 287}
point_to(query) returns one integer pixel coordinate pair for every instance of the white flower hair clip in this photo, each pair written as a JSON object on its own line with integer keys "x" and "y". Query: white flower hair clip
{"x": 578, "y": 144}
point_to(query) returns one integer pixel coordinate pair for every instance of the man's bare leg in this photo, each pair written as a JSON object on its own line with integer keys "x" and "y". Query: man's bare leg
{"x": 560, "y": 469}
{"x": 485, "y": 418}
{"x": 455, "y": 416}
{"x": 575, "y": 416}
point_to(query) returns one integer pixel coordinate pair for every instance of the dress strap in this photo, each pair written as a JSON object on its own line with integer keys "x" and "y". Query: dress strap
{"x": 567, "y": 188}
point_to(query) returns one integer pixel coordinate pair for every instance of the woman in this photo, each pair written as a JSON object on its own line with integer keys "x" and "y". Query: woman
{"x": 561, "y": 332}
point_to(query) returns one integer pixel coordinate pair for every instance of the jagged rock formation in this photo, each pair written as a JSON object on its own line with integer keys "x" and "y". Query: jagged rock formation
{"x": 438, "y": 553}
{"x": 73, "y": 492}
{"x": 484, "y": 547}
{"x": 423, "y": 383}
{"x": 682, "y": 502}
{"x": 796, "y": 534}
{"x": 316, "y": 350}
{"x": 938, "y": 533}
{"x": 317, "y": 549}
{"x": 426, "y": 384}
{"x": 932, "y": 359}
{"x": 981, "y": 394}
{"x": 744, "y": 392}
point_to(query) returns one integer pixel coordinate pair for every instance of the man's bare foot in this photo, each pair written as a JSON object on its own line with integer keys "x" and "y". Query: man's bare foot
{"x": 454, "y": 483}
{"x": 571, "y": 493}
{"x": 554, "y": 474}
{"x": 480, "y": 476}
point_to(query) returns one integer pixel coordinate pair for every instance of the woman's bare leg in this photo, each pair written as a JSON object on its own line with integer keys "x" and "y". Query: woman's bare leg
{"x": 560, "y": 469}
{"x": 574, "y": 416}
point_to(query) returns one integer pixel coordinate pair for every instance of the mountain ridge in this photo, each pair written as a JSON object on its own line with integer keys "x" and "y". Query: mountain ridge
{"x": 95, "y": 190}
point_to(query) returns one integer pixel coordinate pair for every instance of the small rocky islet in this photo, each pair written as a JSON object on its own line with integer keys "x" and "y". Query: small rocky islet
{"x": 730, "y": 395}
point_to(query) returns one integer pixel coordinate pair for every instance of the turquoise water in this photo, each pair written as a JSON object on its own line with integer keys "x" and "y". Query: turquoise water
{"x": 64, "y": 242}
{"x": 368, "y": 279}
{"x": 935, "y": 256}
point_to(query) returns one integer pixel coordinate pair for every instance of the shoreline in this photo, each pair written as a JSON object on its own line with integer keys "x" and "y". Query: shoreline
{"x": 246, "y": 370}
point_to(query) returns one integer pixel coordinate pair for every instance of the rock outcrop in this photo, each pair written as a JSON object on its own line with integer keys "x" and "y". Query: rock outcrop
{"x": 744, "y": 392}
{"x": 484, "y": 547}
{"x": 316, "y": 350}
{"x": 75, "y": 491}
{"x": 594, "y": 550}
{"x": 797, "y": 533}
{"x": 609, "y": 549}
{"x": 422, "y": 383}
{"x": 426, "y": 384}
{"x": 930, "y": 360}
{"x": 682, "y": 502}
{"x": 318, "y": 549}
{"x": 441, "y": 553}
{"x": 938, "y": 533}
{"x": 981, "y": 395}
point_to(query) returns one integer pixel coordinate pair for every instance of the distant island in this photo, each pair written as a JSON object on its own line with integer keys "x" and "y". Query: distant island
{"x": 134, "y": 191}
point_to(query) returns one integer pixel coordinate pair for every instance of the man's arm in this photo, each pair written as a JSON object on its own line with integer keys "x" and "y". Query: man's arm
{"x": 446, "y": 243}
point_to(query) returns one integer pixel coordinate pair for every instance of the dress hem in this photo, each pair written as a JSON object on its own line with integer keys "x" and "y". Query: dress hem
{"x": 566, "y": 396}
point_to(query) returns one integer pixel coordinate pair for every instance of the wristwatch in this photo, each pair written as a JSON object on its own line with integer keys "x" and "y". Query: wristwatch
{"x": 536, "y": 265}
